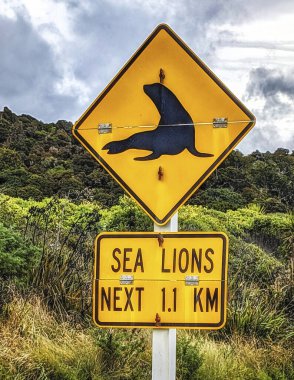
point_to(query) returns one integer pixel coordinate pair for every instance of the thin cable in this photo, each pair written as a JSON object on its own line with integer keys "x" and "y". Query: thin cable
{"x": 170, "y": 125}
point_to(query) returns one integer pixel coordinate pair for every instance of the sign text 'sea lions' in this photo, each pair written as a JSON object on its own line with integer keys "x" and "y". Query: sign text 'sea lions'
{"x": 164, "y": 280}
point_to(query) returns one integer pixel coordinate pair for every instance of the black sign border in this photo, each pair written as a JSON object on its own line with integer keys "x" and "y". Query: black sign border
{"x": 76, "y": 133}
{"x": 154, "y": 235}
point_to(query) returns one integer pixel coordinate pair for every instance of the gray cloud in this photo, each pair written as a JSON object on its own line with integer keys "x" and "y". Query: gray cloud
{"x": 266, "y": 8}
{"x": 28, "y": 72}
{"x": 199, "y": 22}
{"x": 276, "y": 91}
{"x": 105, "y": 38}
{"x": 270, "y": 84}
{"x": 229, "y": 39}
{"x": 108, "y": 32}
{"x": 265, "y": 137}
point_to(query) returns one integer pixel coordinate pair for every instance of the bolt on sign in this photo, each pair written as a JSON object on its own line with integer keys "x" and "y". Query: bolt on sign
{"x": 163, "y": 124}
{"x": 160, "y": 280}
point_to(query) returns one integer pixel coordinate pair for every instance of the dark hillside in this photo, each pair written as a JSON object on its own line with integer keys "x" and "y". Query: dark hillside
{"x": 40, "y": 160}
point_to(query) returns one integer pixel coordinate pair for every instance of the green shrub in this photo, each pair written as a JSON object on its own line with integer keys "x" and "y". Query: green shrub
{"x": 249, "y": 263}
{"x": 17, "y": 257}
{"x": 9, "y": 159}
{"x": 189, "y": 358}
{"x": 198, "y": 218}
{"x": 269, "y": 231}
{"x": 126, "y": 354}
{"x": 274, "y": 205}
{"x": 126, "y": 216}
{"x": 221, "y": 199}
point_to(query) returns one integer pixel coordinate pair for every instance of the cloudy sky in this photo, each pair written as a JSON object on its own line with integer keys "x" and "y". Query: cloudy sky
{"x": 56, "y": 56}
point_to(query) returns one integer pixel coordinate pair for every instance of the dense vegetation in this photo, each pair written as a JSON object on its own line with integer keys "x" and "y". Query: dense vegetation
{"x": 55, "y": 199}
{"x": 40, "y": 160}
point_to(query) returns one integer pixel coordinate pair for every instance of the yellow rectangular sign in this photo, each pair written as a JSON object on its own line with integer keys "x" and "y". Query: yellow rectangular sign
{"x": 160, "y": 280}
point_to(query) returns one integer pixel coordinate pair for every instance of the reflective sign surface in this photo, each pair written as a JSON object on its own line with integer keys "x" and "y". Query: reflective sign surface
{"x": 160, "y": 280}
{"x": 163, "y": 124}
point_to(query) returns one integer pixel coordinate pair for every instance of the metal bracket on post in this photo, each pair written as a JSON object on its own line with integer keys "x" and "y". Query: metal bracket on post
{"x": 164, "y": 340}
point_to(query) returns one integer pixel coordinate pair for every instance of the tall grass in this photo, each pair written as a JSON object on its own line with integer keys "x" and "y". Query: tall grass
{"x": 34, "y": 345}
{"x": 126, "y": 354}
{"x": 244, "y": 359}
{"x": 255, "y": 312}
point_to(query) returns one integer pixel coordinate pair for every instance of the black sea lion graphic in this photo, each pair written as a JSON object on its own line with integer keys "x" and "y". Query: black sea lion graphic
{"x": 175, "y": 131}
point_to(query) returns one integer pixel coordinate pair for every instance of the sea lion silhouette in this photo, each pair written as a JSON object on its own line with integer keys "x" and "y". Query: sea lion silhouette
{"x": 175, "y": 131}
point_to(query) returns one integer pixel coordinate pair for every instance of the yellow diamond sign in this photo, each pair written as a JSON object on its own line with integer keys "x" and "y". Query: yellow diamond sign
{"x": 163, "y": 124}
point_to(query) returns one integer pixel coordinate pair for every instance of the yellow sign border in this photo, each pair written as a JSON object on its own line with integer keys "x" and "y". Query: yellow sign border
{"x": 198, "y": 183}
{"x": 165, "y": 235}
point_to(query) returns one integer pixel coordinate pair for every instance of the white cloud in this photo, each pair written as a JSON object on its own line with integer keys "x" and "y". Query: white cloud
{"x": 9, "y": 8}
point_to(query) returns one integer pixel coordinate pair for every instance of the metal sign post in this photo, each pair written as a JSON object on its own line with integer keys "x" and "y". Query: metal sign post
{"x": 164, "y": 341}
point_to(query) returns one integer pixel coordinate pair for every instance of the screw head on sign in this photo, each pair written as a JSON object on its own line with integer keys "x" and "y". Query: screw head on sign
{"x": 157, "y": 319}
